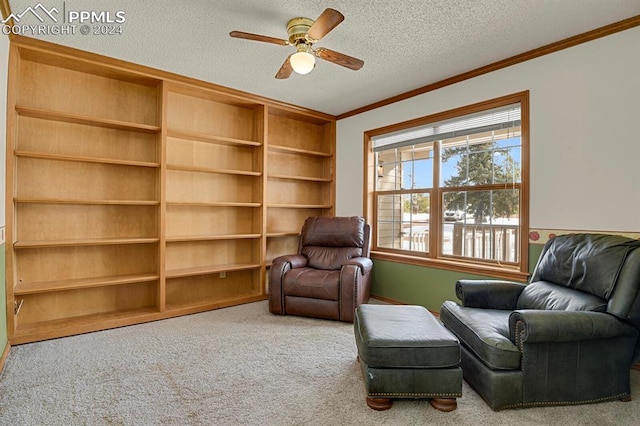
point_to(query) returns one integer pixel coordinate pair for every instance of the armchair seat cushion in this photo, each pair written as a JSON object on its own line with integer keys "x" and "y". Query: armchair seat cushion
{"x": 485, "y": 332}
{"x": 312, "y": 283}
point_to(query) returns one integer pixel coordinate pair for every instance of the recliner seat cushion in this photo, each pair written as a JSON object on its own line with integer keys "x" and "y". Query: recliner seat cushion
{"x": 312, "y": 283}
{"x": 485, "y": 332}
{"x": 547, "y": 296}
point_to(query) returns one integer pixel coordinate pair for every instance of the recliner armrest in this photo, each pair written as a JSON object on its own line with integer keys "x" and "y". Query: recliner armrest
{"x": 564, "y": 326}
{"x": 489, "y": 294}
{"x": 296, "y": 260}
{"x": 364, "y": 263}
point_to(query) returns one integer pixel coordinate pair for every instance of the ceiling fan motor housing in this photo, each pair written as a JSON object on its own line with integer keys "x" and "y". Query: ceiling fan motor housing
{"x": 297, "y": 29}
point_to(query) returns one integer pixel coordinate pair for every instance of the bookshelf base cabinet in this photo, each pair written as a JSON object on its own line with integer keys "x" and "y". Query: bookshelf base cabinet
{"x": 135, "y": 195}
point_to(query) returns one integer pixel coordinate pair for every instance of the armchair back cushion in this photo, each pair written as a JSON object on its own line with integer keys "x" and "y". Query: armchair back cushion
{"x": 594, "y": 265}
{"x": 625, "y": 302}
{"x": 549, "y": 296}
{"x": 587, "y": 262}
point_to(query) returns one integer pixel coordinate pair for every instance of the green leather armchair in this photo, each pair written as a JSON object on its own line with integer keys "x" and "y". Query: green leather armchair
{"x": 569, "y": 336}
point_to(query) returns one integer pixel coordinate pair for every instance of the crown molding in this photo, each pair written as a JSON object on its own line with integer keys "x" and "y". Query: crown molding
{"x": 513, "y": 60}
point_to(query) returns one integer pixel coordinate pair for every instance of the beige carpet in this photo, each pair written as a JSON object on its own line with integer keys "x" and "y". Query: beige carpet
{"x": 238, "y": 365}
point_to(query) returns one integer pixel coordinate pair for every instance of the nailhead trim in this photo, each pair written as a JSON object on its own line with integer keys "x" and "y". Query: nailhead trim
{"x": 355, "y": 293}
{"x": 340, "y": 295}
{"x": 550, "y": 403}
{"x": 414, "y": 394}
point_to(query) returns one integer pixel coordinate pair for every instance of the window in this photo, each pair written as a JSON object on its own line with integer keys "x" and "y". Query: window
{"x": 451, "y": 189}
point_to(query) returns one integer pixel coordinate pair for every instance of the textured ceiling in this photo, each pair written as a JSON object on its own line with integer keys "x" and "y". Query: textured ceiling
{"x": 405, "y": 44}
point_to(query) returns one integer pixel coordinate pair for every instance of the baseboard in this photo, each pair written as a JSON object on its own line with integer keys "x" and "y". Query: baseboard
{"x": 5, "y": 354}
{"x": 386, "y": 300}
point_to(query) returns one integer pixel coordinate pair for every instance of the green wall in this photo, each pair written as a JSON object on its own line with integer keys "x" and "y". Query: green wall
{"x": 419, "y": 285}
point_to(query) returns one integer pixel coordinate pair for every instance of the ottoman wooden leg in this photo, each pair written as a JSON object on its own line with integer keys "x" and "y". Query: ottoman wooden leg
{"x": 379, "y": 404}
{"x": 444, "y": 404}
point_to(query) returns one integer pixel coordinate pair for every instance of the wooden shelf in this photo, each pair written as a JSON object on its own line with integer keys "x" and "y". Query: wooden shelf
{"x": 45, "y": 156}
{"x": 283, "y": 234}
{"x": 82, "y": 324}
{"x": 211, "y": 170}
{"x": 212, "y": 204}
{"x": 300, "y": 206}
{"x": 86, "y": 202}
{"x": 299, "y": 151}
{"x": 202, "y": 137}
{"x": 213, "y": 269}
{"x": 281, "y": 243}
{"x": 83, "y": 242}
{"x": 184, "y": 238}
{"x": 78, "y": 283}
{"x": 304, "y": 178}
{"x": 207, "y": 305}
{"x": 85, "y": 119}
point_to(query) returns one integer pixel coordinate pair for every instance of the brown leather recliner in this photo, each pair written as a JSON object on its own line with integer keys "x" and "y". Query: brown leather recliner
{"x": 329, "y": 276}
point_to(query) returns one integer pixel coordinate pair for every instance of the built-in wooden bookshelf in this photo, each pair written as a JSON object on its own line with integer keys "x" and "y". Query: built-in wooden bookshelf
{"x": 300, "y": 177}
{"x": 214, "y": 156}
{"x": 135, "y": 195}
{"x": 83, "y": 181}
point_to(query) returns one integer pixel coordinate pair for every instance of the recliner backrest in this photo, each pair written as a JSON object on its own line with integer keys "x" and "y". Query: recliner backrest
{"x": 625, "y": 300}
{"x": 328, "y": 242}
{"x": 601, "y": 267}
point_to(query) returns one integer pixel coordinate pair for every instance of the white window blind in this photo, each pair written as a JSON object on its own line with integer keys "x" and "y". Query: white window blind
{"x": 495, "y": 119}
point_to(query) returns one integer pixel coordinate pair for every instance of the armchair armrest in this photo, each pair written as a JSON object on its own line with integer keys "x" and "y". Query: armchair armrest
{"x": 296, "y": 260}
{"x": 564, "y": 326}
{"x": 364, "y": 263}
{"x": 489, "y": 294}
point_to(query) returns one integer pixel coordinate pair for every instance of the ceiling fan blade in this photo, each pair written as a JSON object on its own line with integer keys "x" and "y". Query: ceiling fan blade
{"x": 339, "y": 58}
{"x": 285, "y": 70}
{"x": 328, "y": 20}
{"x": 256, "y": 37}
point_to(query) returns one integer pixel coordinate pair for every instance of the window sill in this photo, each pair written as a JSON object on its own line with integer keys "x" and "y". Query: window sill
{"x": 508, "y": 273}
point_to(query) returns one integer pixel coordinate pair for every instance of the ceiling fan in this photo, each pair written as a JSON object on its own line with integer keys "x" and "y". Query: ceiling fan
{"x": 303, "y": 33}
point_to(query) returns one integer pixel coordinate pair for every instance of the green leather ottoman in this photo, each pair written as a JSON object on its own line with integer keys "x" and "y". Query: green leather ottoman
{"x": 405, "y": 352}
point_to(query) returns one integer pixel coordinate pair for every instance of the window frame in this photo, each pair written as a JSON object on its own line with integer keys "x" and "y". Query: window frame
{"x": 435, "y": 259}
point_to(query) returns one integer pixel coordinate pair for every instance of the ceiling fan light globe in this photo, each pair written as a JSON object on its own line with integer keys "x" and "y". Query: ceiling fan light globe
{"x": 302, "y": 62}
